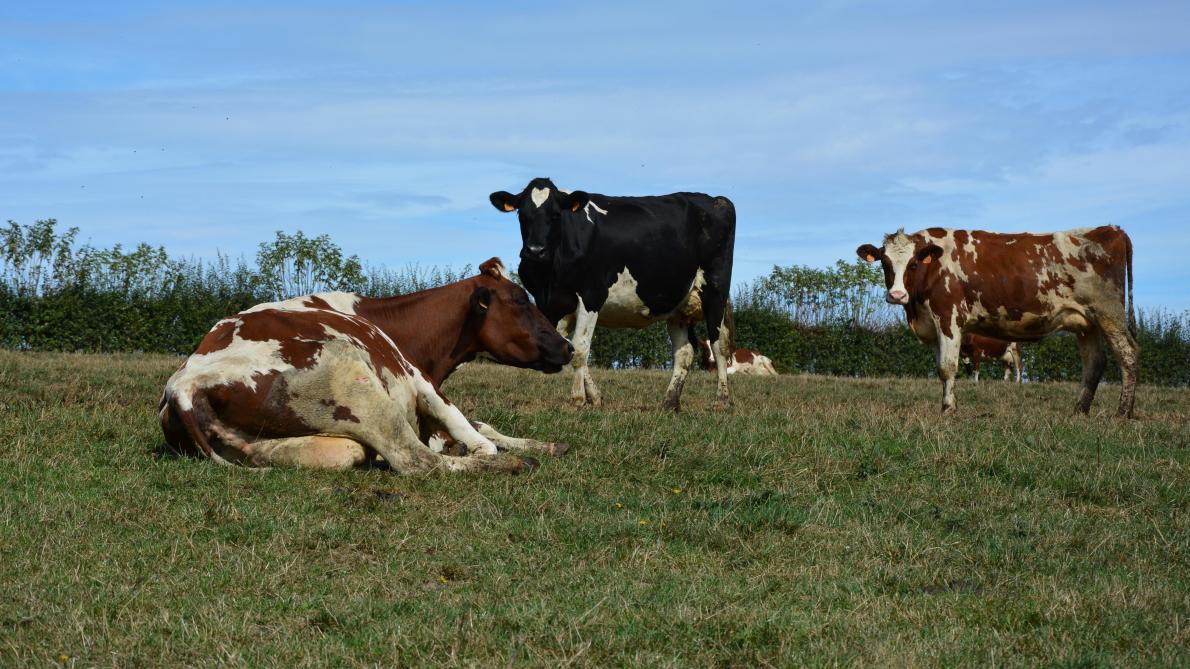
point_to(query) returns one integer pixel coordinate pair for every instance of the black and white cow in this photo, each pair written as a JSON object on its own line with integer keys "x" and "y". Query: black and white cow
{"x": 628, "y": 262}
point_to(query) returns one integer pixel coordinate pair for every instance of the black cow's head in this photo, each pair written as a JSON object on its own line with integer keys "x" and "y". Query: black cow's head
{"x": 553, "y": 222}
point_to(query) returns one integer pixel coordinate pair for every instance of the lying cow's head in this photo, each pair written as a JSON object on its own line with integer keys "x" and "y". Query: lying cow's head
{"x": 552, "y": 220}
{"x": 906, "y": 260}
{"x": 505, "y": 325}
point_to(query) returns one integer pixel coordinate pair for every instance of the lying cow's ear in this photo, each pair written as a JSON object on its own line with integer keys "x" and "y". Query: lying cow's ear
{"x": 576, "y": 200}
{"x": 929, "y": 254}
{"x": 481, "y": 300}
{"x": 868, "y": 253}
{"x": 505, "y": 201}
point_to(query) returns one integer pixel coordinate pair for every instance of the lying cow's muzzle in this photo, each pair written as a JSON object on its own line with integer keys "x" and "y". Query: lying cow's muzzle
{"x": 554, "y": 356}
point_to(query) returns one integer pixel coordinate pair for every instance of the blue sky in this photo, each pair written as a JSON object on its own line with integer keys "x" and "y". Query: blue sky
{"x": 207, "y": 126}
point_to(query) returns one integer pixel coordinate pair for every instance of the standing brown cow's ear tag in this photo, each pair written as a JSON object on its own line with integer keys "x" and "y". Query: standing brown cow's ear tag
{"x": 927, "y": 260}
{"x": 870, "y": 257}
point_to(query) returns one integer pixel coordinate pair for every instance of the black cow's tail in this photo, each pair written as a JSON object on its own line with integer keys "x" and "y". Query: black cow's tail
{"x": 729, "y": 325}
{"x": 1131, "y": 305}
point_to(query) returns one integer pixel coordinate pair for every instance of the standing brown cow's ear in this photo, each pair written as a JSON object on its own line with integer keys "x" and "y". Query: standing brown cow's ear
{"x": 505, "y": 201}
{"x": 929, "y": 254}
{"x": 869, "y": 253}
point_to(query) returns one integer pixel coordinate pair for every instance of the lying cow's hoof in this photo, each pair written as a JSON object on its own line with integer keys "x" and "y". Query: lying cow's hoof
{"x": 527, "y": 465}
{"x": 559, "y": 448}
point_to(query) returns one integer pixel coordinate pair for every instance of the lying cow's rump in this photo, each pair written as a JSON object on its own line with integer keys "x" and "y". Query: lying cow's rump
{"x": 320, "y": 381}
{"x": 1021, "y": 287}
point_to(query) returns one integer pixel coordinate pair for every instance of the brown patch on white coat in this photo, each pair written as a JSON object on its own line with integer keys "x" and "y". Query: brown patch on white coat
{"x": 1020, "y": 287}
{"x": 327, "y": 380}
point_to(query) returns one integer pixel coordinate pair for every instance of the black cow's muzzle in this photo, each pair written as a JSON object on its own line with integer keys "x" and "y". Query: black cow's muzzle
{"x": 533, "y": 253}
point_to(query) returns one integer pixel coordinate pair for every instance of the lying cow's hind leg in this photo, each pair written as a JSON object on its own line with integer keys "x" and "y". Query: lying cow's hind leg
{"x": 314, "y": 452}
{"x": 683, "y": 352}
{"x": 1094, "y": 357}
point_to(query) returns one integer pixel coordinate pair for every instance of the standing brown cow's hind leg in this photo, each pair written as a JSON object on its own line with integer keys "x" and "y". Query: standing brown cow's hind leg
{"x": 1094, "y": 357}
{"x": 1127, "y": 353}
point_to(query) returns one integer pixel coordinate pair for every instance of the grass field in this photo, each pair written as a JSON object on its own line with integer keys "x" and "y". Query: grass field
{"x": 823, "y": 521}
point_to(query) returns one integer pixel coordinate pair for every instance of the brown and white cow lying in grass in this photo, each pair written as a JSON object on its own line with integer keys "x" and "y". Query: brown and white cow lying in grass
{"x": 330, "y": 380}
{"x": 976, "y": 347}
{"x": 743, "y": 361}
{"x": 1021, "y": 287}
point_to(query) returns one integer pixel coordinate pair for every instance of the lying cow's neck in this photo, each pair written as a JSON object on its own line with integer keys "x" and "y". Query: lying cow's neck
{"x": 429, "y": 326}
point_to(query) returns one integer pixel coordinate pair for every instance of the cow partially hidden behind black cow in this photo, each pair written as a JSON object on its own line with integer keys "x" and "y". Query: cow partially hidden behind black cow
{"x": 628, "y": 262}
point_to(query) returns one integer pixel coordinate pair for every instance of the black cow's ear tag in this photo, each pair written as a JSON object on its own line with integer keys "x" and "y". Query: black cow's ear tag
{"x": 870, "y": 257}
{"x": 575, "y": 207}
{"x": 509, "y": 207}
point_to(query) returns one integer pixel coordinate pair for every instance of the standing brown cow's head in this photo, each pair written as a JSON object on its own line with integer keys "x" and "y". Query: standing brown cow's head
{"x": 906, "y": 260}
{"x": 506, "y": 326}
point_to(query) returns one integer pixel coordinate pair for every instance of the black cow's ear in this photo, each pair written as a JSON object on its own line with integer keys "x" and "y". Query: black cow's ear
{"x": 929, "y": 254}
{"x": 505, "y": 201}
{"x": 576, "y": 200}
{"x": 481, "y": 300}
{"x": 869, "y": 253}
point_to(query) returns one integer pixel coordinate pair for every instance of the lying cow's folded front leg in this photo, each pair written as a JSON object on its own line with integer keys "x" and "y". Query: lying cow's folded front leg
{"x": 433, "y": 404}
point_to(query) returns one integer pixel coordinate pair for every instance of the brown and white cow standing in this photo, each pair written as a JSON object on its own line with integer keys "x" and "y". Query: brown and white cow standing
{"x": 977, "y": 347}
{"x": 1021, "y": 287}
{"x": 331, "y": 379}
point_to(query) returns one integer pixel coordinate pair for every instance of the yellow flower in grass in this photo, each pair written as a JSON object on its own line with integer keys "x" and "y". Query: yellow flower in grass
{"x": 643, "y": 522}
{"x": 676, "y": 491}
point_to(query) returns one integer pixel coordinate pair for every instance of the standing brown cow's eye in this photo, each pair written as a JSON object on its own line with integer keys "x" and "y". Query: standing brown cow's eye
{"x": 912, "y": 266}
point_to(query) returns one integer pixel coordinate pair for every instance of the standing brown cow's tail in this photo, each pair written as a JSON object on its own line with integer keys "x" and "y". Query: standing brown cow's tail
{"x": 1131, "y": 306}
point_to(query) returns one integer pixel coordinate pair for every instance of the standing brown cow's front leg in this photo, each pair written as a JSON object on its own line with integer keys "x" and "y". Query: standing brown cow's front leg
{"x": 948, "y": 367}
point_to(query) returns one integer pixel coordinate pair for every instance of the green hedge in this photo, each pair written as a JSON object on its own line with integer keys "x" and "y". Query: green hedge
{"x": 58, "y": 296}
